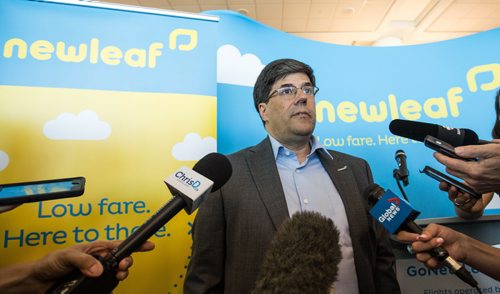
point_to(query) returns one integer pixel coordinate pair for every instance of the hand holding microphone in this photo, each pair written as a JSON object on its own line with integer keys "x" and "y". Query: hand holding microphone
{"x": 431, "y": 237}
{"x": 189, "y": 189}
{"x": 475, "y": 161}
{"x": 396, "y": 214}
{"x": 481, "y": 172}
{"x": 461, "y": 247}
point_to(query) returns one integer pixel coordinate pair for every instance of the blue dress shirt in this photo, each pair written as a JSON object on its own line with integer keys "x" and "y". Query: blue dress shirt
{"x": 307, "y": 186}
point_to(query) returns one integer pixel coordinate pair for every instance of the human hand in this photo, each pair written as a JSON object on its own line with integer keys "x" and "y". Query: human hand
{"x": 58, "y": 263}
{"x": 466, "y": 206}
{"x": 482, "y": 175}
{"x": 431, "y": 237}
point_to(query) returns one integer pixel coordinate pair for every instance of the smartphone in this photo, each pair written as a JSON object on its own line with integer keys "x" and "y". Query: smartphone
{"x": 18, "y": 193}
{"x": 439, "y": 176}
{"x": 443, "y": 147}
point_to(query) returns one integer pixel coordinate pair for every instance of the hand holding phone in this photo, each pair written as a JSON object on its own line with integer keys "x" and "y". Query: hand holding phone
{"x": 443, "y": 148}
{"x": 439, "y": 176}
{"x": 18, "y": 193}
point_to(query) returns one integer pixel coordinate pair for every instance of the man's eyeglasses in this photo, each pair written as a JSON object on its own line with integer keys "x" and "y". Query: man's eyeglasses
{"x": 291, "y": 91}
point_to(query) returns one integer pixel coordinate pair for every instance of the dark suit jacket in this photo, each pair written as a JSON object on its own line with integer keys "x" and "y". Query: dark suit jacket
{"x": 235, "y": 225}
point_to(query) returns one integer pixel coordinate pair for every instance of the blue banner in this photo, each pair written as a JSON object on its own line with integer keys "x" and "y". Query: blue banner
{"x": 362, "y": 89}
{"x": 70, "y": 46}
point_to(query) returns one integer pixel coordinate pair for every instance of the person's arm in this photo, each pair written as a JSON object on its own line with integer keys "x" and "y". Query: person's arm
{"x": 482, "y": 175}
{"x": 460, "y": 247}
{"x": 38, "y": 276}
{"x": 18, "y": 278}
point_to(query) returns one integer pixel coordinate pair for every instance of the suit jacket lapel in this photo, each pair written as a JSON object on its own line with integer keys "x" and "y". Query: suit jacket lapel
{"x": 262, "y": 165}
{"x": 344, "y": 179}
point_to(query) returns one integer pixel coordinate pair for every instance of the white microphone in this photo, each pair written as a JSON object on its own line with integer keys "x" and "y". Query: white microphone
{"x": 189, "y": 185}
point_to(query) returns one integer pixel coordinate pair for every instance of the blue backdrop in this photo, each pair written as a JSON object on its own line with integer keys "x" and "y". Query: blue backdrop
{"x": 361, "y": 90}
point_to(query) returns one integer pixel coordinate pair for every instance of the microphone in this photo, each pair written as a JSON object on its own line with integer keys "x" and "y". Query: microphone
{"x": 401, "y": 173}
{"x": 419, "y": 130}
{"x": 396, "y": 214}
{"x": 303, "y": 256}
{"x": 189, "y": 189}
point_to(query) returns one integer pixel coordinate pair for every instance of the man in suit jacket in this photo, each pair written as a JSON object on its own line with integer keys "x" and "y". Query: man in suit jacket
{"x": 288, "y": 171}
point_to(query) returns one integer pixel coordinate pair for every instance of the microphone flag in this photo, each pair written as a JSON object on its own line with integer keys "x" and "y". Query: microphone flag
{"x": 392, "y": 211}
{"x": 191, "y": 186}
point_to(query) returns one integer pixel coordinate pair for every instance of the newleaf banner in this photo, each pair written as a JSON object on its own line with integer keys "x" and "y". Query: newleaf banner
{"x": 125, "y": 96}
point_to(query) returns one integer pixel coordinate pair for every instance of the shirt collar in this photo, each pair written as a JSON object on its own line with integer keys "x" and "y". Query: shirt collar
{"x": 315, "y": 146}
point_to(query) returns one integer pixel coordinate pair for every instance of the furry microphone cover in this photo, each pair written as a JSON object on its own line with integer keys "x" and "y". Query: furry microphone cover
{"x": 303, "y": 256}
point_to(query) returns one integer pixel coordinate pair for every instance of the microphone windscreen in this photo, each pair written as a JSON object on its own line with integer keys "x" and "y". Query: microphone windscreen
{"x": 399, "y": 152}
{"x": 303, "y": 256}
{"x": 457, "y": 137}
{"x": 419, "y": 130}
{"x": 412, "y": 129}
{"x": 216, "y": 167}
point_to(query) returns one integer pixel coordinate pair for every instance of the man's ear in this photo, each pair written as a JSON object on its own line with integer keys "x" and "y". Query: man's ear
{"x": 263, "y": 111}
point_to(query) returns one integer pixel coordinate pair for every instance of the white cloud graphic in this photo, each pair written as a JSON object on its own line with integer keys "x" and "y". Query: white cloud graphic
{"x": 194, "y": 147}
{"x": 84, "y": 126}
{"x": 234, "y": 68}
{"x": 4, "y": 160}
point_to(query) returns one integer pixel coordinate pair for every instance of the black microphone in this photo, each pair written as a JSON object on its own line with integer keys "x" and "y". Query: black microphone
{"x": 401, "y": 172}
{"x": 303, "y": 256}
{"x": 396, "y": 214}
{"x": 189, "y": 189}
{"x": 419, "y": 130}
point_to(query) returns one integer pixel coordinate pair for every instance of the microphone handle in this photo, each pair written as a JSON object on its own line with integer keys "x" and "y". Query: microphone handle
{"x": 442, "y": 256}
{"x": 77, "y": 283}
{"x": 146, "y": 230}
